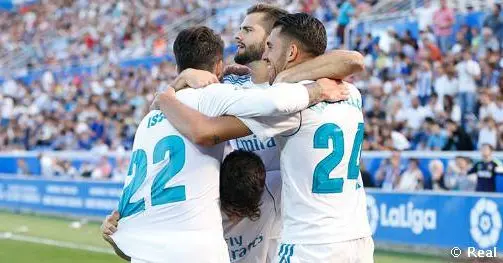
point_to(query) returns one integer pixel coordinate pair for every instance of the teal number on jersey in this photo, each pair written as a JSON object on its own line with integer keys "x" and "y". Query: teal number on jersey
{"x": 160, "y": 195}
{"x": 354, "y": 160}
{"x": 139, "y": 163}
{"x": 176, "y": 148}
{"x": 322, "y": 183}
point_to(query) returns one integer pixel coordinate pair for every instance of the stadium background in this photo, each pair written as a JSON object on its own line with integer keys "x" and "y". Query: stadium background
{"x": 77, "y": 76}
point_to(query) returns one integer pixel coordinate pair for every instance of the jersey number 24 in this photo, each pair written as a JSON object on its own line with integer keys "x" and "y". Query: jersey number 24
{"x": 322, "y": 184}
{"x": 160, "y": 194}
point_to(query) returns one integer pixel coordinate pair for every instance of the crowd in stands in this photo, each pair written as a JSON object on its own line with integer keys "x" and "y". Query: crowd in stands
{"x": 434, "y": 93}
{"x": 67, "y": 32}
{"x": 439, "y": 91}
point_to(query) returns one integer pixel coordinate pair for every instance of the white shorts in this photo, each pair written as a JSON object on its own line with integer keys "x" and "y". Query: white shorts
{"x": 354, "y": 251}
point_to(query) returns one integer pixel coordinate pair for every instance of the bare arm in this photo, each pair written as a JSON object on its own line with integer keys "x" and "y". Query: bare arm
{"x": 336, "y": 64}
{"x": 197, "y": 127}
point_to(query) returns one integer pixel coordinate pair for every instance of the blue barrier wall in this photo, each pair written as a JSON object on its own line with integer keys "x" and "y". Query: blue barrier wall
{"x": 436, "y": 219}
{"x": 83, "y": 198}
{"x": 442, "y": 220}
{"x": 371, "y": 161}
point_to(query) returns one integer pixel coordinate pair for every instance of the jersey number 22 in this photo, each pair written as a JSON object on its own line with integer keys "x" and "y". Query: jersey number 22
{"x": 322, "y": 184}
{"x": 160, "y": 195}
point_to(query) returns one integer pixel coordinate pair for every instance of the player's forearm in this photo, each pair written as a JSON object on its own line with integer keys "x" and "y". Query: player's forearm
{"x": 199, "y": 128}
{"x": 337, "y": 64}
{"x": 186, "y": 120}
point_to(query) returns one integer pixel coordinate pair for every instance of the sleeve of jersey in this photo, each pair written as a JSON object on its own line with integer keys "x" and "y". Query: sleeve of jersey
{"x": 267, "y": 127}
{"x": 278, "y": 100}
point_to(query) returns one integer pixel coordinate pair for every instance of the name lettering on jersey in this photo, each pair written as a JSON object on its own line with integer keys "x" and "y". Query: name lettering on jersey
{"x": 152, "y": 121}
{"x": 252, "y": 144}
{"x": 354, "y": 102}
{"x": 236, "y": 249}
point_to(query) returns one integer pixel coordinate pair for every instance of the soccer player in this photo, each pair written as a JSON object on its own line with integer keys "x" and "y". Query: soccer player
{"x": 170, "y": 204}
{"x": 251, "y": 42}
{"x": 250, "y": 208}
{"x": 323, "y": 200}
{"x": 486, "y": 170}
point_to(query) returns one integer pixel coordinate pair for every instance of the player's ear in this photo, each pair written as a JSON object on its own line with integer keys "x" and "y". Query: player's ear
{"x": 293, "y": 52}
{"x": 219, "y": 69}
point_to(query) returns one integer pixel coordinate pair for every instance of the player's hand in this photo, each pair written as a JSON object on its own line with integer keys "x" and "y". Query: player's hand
{"x": 333, "y": 90}
{"x": 236, "y": 69}
{"x": 195, "y": 78}
{"x": 109, "y": 225}
{"x": 168, "y": 93}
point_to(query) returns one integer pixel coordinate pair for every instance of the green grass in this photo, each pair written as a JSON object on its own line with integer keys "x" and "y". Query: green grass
{"x": 25, "y": 252}
{"x": 89, "y": 234}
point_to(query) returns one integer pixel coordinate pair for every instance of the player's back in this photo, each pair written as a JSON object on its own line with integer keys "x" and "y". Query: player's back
{"x": 170, "y": 202}
{"x": 323, "y": 195}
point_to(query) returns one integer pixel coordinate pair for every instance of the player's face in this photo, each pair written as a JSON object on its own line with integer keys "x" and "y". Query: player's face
{"x": 275, "y": 54}
{"x": 250, "y": 39}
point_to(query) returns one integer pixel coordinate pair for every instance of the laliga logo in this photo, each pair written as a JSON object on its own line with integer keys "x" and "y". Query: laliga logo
{"x": 402, "y": 216}
{"x": 485, "y": 222}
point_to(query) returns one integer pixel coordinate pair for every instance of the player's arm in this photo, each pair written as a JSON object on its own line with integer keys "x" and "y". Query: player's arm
{"x": 336, "y": 64}
{"x": 208, "y": 131}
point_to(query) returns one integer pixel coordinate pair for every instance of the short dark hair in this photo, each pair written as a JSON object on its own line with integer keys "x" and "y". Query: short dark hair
{"x": 242, "y": 183}
{"x": 272, "y": 14}
{"x": 198, "y": 48}
{"x": 307, "y": 30}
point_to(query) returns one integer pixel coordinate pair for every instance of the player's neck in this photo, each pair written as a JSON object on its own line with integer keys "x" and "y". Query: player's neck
{"x": 259, "y": 71}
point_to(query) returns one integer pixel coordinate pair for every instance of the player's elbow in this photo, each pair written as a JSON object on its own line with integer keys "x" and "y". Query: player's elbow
{"x": 356, "y": 61}
{"x": 203, "y": 139}
{"x": 202, "y": 136}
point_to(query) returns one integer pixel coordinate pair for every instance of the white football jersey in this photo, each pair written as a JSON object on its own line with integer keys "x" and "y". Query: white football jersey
{"x": 268, "y": 149}
{"x": 171, "y": 193}
{"x": 256, "y": 241}
{"x": 322, "y": 193}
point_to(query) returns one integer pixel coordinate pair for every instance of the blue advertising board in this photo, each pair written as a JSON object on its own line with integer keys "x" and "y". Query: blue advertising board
{"x": 443, "y": 220}
{"x": 434, "y": 219}
{"x": 81, "y": 198}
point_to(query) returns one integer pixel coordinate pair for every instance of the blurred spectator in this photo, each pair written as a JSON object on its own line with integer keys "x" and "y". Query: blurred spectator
{"x": 425, "y": 14}
{"x": 444, "y": 19}
{"x": 412, "y": 178}
{"x": 446, "y": 83}
{"x": 436, "y": 168}
{"x": 22, "y": 167}
{"x": 457, "y": 177}
{"x": 345, "y": 14}
{"x": 486, "y": 170}
{"x": 366, "y": 176}
{"x": 437, "y": 139}
{"x": 103, "y": 170}
{"x": 424, "y": 82}
{"x": 468, "y": 72}
{"x": 495, "y": 22}
{"x": 488, "y": 133}
{"x": 457, "y": 138}
{"x": 488, "y": 44}
{"x": 388, "y": 174}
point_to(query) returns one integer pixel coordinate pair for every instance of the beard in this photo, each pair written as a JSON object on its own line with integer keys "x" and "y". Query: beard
{"x": 251, "y": 53}
{"x": 276, "y": 67}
